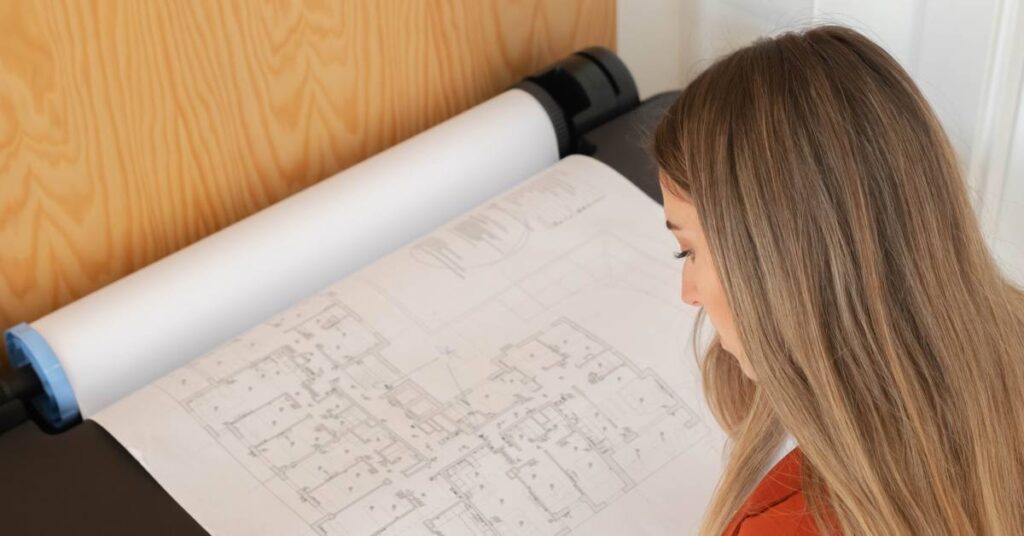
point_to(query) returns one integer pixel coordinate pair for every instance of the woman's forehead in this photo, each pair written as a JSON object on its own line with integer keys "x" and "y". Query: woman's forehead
{"x": 667, "y": 183}
{"x": 678, "y": 211}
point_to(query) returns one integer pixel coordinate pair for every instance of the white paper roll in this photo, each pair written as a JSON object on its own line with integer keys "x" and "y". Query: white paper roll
{"x": 138, "y": 328}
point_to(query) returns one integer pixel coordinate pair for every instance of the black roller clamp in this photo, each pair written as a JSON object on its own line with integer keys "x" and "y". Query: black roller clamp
{"x": 20, "y": 382}
{"x": 581, "y": 92}
{"x": 16, "y": 385}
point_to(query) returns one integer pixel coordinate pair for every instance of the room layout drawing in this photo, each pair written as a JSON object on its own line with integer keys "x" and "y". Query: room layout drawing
{"x": 562, "y": 426}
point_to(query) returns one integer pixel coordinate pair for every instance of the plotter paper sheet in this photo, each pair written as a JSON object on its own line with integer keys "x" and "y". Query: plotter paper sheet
{"x": 523, "y": 370}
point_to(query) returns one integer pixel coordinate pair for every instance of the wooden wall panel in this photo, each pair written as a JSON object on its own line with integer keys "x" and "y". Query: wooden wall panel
{"x": 129, "y": 129}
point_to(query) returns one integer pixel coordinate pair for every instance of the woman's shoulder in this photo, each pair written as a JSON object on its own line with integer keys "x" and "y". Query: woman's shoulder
{"x": 777, "y": 505}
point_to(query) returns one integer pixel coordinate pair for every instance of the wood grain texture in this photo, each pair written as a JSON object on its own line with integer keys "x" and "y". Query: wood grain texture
{"x": 129, "y": 129}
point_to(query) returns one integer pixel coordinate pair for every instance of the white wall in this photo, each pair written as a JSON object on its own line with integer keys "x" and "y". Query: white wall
{"x": 947, "y": 46}
{"x": 1007, "y": 238}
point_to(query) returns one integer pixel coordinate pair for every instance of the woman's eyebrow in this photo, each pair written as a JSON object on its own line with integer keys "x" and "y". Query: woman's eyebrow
{"x": 672, "y": 226}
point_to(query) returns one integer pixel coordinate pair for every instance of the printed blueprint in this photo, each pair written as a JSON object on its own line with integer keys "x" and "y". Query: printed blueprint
{"x": 524, "y": 370}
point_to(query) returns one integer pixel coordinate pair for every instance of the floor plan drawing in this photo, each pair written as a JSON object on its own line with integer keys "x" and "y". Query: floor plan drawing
{"x": 562, "y": 426}
{"x": 519, "y": 371}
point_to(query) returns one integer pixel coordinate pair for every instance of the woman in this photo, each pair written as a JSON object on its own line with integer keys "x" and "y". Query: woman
{"x": 826, "y": 231}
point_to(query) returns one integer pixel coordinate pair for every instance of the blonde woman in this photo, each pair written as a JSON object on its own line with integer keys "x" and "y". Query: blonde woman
{"x": 826, "y": 232}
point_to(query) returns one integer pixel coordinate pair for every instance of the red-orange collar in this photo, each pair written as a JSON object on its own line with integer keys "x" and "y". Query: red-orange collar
{"x": 781, "y": 482}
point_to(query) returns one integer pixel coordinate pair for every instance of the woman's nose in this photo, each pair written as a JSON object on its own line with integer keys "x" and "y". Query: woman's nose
{"x": 689, "y": 291}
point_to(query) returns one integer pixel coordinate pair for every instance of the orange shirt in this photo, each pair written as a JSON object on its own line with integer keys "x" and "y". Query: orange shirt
{"x": 776, "y": 507}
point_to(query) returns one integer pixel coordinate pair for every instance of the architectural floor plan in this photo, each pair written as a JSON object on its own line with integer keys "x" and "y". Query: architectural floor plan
{"x": 520, "y": 371}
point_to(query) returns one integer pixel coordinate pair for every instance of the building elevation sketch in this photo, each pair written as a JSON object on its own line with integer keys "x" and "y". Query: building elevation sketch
{"x": 524, "y": 370}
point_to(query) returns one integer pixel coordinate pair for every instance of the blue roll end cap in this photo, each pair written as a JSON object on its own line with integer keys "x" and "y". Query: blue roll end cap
{"x": 27, "y": 348}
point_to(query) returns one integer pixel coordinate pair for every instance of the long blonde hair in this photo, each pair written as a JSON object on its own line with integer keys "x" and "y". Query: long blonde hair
{"x": 883, "y": 335}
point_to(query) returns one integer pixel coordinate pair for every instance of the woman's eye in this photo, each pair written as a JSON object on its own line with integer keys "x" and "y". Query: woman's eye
{"x": 682, "y": 254}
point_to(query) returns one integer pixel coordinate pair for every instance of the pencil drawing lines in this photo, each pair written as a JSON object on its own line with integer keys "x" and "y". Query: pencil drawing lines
{"x": 485, "y": 237}
{"x": 561, "y": 427}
